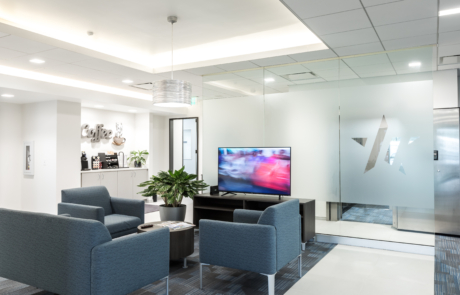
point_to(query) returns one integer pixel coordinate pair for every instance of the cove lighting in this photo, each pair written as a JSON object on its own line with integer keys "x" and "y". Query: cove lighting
{"x": 449, "y": 11}
{"x": 415, "y": 64}
{"x": 98, "y": 106}
{"x": 7, "y": 95}
{"x": 37, "y": 61}
{"x": 127, "y": 81}
{"x": 4, "y": 70}
{"x": 269, "y": 79}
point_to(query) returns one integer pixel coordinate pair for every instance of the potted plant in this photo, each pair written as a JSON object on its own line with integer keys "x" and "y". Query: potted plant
{"x": 173, "y": 187}
{"x": 138, "y": 158}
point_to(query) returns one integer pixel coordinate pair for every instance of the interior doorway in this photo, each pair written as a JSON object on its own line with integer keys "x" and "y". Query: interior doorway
{"x": 183, "y": 144}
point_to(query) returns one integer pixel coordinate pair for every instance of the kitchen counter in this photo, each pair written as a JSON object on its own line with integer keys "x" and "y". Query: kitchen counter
{"x": 113, "y": 170}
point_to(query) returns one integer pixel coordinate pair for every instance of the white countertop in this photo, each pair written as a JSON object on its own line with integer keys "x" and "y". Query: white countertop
{"x": 113, "y": 170}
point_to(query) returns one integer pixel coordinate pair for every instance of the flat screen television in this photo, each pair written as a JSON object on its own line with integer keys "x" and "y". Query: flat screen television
{"x": 259, "y": 170}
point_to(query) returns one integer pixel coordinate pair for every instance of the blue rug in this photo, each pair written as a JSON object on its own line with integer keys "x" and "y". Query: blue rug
{"x": 368, "y": 214}
{"x": 216, "y": 279}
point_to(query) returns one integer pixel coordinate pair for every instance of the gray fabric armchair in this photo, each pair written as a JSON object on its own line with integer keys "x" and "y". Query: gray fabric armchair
{"x": 257, "y": 241}
{"x": 120, "y": 216}
{"x": 75, "y": 256}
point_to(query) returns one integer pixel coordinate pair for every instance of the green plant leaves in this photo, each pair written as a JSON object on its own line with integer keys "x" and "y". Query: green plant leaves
{"x": 173, "y": 186}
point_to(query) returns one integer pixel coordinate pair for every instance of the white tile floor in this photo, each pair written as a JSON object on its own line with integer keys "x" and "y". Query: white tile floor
{"x": 350, "y": 270}
{"x": 373, "y": 231}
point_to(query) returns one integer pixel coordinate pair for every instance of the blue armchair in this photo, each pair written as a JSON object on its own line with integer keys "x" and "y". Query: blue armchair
{"x": 257, "y": 241}
{"x": 120, "y": 216}
{"x": 75, "y": 256}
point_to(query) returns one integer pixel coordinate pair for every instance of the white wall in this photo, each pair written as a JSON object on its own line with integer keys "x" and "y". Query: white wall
{"x": 39, "y": 125}
{"x": 11, "y": 155}
{"x": 68, "y": 165}
{"x": 446, "y": 89}
{"x": 109, "y": 119}
{"x": 142, "y": 132}
{"x": 159, "y": 154}
{"x": 234, "y": 122}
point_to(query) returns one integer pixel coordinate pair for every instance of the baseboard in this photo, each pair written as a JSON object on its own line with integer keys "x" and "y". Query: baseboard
{"x": 376, "y": 244}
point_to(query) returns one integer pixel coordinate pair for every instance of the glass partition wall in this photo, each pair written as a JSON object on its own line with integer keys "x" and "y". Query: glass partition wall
{"x": 361, "y": 133}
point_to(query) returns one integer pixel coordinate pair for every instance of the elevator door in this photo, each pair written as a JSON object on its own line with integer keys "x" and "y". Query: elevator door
{"x": 446, "y": 171}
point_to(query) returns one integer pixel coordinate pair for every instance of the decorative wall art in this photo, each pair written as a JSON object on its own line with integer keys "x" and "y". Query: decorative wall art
{"x": 96, "y": 134}
{"x": 118, "y": 139}
{"x": 28, "y": 156}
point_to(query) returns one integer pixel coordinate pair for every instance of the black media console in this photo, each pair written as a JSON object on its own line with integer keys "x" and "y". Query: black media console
{"x": 217, "y": 207}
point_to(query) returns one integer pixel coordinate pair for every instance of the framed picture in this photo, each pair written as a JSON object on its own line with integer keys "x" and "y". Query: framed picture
{"x": 29, "y": 158}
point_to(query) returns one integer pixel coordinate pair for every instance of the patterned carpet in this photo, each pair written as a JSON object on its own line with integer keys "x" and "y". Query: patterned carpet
{"x": 216, "y": 279}
{"x": 447, "y": 265}
{"x": 368, "y": 214}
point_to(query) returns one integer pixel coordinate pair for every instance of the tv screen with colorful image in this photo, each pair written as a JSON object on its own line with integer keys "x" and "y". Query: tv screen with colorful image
{"x": 255, "y": 170}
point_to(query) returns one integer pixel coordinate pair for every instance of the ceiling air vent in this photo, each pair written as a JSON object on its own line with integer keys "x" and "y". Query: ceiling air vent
{"x": 144, "y": 86}
{"x": 450, "y": 60}
{"x": 299, "y": 76}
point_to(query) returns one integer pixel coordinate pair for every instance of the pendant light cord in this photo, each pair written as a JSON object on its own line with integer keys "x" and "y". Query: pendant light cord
{"x": 172, "y": 51}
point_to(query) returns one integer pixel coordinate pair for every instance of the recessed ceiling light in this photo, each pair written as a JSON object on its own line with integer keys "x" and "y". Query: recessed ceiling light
{"x": 98, "y": 106}
{"x": 269, "y": 79}
{"x": 127, "y": 81}
{"x": 415, "y": 64}
{"x": 449, "y": 11}
{"x": 132, "y": 111}
{"x": 7, "y": 95}
{"x": 37, "y": 61}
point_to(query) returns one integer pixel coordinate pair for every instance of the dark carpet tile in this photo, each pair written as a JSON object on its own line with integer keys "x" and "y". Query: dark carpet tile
{"x": 216, "y": 279}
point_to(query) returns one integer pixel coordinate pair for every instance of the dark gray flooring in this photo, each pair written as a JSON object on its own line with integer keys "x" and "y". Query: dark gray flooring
{"x": 368, "y": 214}
{"x": 217, "y": 280}
{"x": 447, "y": 265}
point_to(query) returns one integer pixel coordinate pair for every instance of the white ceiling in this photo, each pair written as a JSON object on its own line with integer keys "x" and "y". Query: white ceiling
{"x": 350, "y": 27}
{"x": 137, "y": 31}
{"x": 276, "y": 79}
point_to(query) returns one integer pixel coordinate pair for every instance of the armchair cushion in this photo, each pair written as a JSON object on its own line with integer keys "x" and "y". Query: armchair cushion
{"x": 285, "y": 218}
{"x": 128, "y": 207}
{"x": 81, "y": 211}
{"x": 246, "y": 216}
{"x": 250, "y": 247}
{"x": 123, "y": 265}
{"x": 118, "y": 223}
{"x": 97, "y": 196}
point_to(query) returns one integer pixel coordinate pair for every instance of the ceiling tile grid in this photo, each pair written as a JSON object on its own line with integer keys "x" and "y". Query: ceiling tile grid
{"x": 339, "y": 22}
{"x": 367, "y": 26}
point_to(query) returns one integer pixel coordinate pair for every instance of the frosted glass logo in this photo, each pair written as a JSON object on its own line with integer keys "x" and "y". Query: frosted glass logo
{"x": 392, "y": 149}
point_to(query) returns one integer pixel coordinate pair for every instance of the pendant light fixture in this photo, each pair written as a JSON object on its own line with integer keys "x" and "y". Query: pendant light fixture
{"x": 172, "y": 93}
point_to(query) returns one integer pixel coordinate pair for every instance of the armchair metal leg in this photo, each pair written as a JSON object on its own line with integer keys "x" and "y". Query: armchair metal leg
{"x": 300, "y": 265}
{"x": 167, "y": 285}
{"x": 201, "y": 275}
{"x": 271, "y": 283}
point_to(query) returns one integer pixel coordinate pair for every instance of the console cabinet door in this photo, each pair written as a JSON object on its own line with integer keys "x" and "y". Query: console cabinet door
{"x": 125, "y": 184}
{"x": 110, "y": 181}
{"x": 90, "y": 179}
{"x": 139, "y": 177}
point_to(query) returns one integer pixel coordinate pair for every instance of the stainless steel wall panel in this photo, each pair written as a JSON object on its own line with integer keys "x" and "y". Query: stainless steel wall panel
{"x": 447, "y": 171}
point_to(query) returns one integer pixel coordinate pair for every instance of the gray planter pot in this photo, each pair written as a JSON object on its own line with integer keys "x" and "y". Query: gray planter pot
{"x": 173, "y": 213}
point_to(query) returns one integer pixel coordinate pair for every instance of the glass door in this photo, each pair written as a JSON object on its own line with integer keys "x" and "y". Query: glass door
{"x": 183, "y": 144}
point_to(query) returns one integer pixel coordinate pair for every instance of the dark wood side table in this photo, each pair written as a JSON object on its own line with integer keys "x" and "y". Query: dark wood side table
{"x": 181, "y": 243}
